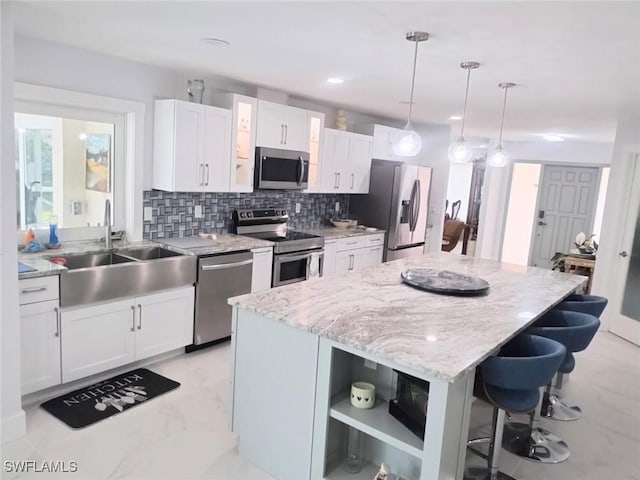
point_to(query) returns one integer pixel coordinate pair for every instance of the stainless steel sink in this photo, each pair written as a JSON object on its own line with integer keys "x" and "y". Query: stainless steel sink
{"x": 89, "y": 260}
{"x": 150, "y": 253}
{"x": 97, "y": 277}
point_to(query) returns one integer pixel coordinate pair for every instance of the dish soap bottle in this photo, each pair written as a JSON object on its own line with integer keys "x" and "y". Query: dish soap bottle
{"x": 53, "y": 229}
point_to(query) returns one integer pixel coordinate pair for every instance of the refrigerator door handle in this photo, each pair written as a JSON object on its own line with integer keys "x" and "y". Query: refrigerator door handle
{"x": 417, "y": 203}
{"x": 412, "y": 201}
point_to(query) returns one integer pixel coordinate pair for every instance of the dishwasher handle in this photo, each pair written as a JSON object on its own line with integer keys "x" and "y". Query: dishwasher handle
{"x": 223, "y": 266}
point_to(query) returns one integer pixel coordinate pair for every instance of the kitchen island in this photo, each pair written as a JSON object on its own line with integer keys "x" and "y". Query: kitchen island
{"x": 297, "y": 349}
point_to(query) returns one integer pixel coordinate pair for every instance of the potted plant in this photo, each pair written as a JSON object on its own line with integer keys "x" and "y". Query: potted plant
{"x": 586, "y": 245}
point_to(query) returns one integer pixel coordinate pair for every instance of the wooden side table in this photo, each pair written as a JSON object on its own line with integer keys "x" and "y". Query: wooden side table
{"x": 581, "y": 266}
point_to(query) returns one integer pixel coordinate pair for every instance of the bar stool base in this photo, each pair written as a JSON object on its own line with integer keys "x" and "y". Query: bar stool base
{"x": 557, "y": 409}
{"x": 483, "y": 473}
{"x": 537, "y": 444}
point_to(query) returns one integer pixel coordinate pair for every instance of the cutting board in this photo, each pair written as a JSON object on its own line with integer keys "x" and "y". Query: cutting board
{"x": 188, "y": 242}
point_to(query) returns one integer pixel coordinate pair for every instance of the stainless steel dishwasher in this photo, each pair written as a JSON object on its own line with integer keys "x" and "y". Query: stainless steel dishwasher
{"x": 219, "y": 278}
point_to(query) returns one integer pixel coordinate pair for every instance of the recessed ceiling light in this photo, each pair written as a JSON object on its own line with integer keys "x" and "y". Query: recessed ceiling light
{"x": 335, "y": 80}
{"x": 553, "y": 138}
{"x": 455, "y": 117}
{"x": 215, "y": 41}
{"x": 484, "y": 145}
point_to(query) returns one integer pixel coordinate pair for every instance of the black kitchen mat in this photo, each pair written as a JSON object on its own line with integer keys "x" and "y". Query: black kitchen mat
{"x": 96, "y": 402}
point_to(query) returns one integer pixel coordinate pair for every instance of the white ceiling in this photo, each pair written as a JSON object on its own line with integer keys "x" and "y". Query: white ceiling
{"x": 577, "y": 64}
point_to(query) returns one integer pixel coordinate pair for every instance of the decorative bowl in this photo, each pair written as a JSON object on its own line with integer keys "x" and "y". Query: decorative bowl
{"x": 342, "y": 222}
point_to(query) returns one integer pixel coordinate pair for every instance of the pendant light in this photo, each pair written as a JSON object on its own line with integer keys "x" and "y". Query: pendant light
{"x": 460, "y": 151}
{"x": 499, "y": 157}
{"x": 407, "y": 142}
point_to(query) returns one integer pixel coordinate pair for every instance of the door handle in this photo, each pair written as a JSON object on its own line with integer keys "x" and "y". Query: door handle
{"x": 57, "y": 310}
{"x": 335, "y": 179}
{"x": 351, "y": 261}
{"x": 623, "y": 254}
{"x": 338, "y": 180}
{"x": 207, "y": 181}
{"x": 352, "y": 179}
{"x": 133, "y": 318}
{"x": 281, "y": 134}
{"x": 542, "y": 223}
{"x": 286, "y": 133}
{"x": 139, "y": 317}
{"x": 201, "y": 174}
{"x": 33, "y": 290}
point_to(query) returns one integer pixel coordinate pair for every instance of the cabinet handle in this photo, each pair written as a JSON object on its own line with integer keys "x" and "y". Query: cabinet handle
{"x": 281, "y": 133}
{"x": 286, "y": 133}
{"x": 201, "y": 174}
{"x": 139, "y": 317}
{"x": 207, "y": 182}
{"x": 335, "y": 179}
{"x": 351, "y": 243}
{"x": 33, "y": 290}
{"x": 57, "y": 310}
{"x": 352, "y": 178}
{"x": 350, "y": 262}
{"x": 338, "y": 180}
{"x": 133, "y": 318}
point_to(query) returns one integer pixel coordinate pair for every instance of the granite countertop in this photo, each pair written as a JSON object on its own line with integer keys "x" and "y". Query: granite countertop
{"x": 332, "y": 233}
{"x": 224, "y": 243}
{"x": 439, "y": 335}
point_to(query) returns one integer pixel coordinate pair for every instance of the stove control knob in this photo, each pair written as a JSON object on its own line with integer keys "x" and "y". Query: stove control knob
{"x": 249, "y": 214}
{"x": 276, "y": 212}
{"x": 283, "y": 212}
{"x": 241, "y": 214}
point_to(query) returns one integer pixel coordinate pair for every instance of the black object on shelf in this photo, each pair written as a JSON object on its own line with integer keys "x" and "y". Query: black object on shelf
{"x": 410, "y": 404}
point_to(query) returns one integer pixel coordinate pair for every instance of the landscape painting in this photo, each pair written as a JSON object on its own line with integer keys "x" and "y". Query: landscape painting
{"x": 98, "y": 156}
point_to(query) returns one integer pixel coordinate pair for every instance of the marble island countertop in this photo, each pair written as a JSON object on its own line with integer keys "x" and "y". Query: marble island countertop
{"x": 438, "y": 335}
{"x": 331, "y": 233}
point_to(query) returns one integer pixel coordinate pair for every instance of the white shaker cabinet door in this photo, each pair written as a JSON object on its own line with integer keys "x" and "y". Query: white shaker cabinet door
{"x": 217, "y": 166}
{"x": 270, "y": 124}
{"x": 344, "y": 261}
{"x": 40, "y": 346}
{"x": 261, "y": 273}
{"x": 190, "y": 131}
{"x": 373, "y": 256}
{"x": 360, "y": 163}
{"x": 296, "y": 130}
{"x": 164, "y": 322}
{"x": 97, "y": 338}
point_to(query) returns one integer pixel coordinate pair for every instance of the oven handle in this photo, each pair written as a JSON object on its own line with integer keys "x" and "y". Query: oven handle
{"x": 222, "y": 266}
{"x": 320, "y": 265}
{"x": 291, "y": 258}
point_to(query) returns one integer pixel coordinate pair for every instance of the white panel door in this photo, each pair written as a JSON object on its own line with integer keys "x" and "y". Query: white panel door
{"x": 270, "y": 124}
{"x": 97, "y": 338}
{"x": 39, "y": 346}
{"x": 190, "y": 119}
{"x": 360, "y": 163}
{"x": 217, "y": 167}
{"x": 296, "y": 130}
{"x": 625, "y": 305}
{"x": 566, "y": 207}
{"x": 164, "y": 321}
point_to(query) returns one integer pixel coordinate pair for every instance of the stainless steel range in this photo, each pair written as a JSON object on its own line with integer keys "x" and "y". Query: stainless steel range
{"x": 297, "y": 256}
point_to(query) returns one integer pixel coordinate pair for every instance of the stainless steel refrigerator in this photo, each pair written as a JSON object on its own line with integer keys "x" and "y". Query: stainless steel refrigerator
{"x": 398, "y": 203}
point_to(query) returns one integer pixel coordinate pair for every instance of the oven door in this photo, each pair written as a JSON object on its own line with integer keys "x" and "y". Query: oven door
{"x": 297, "y": 267}
{"x": 280, "y": 169}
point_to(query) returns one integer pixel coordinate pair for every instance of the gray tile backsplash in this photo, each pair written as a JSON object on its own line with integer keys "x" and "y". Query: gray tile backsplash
{"x": 173, "y": 212}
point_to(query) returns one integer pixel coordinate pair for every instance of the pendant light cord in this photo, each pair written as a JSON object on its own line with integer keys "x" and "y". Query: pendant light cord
{"x": 466, "y": 97}
{"x": 504, "y": 107}
{"x": 413, "y": 82}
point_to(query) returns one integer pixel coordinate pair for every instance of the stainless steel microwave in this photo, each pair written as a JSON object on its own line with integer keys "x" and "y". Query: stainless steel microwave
{"x": 281, "y": 169}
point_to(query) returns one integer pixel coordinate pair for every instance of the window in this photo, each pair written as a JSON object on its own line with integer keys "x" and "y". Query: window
{"x": 66, "y": 165}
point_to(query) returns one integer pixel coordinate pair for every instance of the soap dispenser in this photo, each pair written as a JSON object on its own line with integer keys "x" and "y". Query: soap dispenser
{"x": 53, "y": 230}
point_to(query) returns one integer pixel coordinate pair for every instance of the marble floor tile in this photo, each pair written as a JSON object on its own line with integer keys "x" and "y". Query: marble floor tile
{"x": 184, "y": 434}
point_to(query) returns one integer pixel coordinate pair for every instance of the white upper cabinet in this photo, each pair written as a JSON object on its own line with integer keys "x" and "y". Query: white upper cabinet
{"x": 191, "y": 149}
{"x": 382, "y": 141}
{"x": 346, "y": 162}
{"x": 282, "y": 126}
{"x": 316, "y": 139}
{"x": 243, "y": 138}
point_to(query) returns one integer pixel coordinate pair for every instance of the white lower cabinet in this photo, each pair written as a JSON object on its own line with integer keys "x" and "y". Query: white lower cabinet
{"x": 261, "y": 273}
{"x": 353, "y": 253}
{"x": 329, "y": 263}
{"x": 108, "y": 335}
{"x": 39, "y": 346}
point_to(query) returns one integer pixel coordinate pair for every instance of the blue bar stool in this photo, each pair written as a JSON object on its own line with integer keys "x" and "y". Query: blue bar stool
{"x": 511, "y": 382}
{"x": 574, "y": 330}
{"x": 591, "y": 304}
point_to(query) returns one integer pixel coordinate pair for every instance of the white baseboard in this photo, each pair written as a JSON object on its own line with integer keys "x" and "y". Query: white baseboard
{"x": 13, "y": 427}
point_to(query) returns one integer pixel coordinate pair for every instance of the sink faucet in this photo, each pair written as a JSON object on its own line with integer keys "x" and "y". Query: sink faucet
{"x": 107, "y": 223}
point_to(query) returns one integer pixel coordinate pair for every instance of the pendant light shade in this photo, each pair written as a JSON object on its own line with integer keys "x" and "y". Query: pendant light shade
{"x": 460, "y": 151}
{"x": 407, "y": 142}
{"x": 499, "y": 157}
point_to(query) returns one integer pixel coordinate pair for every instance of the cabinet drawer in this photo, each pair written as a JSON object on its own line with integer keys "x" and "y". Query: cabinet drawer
{"x": 39, "y": 289}
{"x": 374, "y": 240}
{"x": 350, "y": 243}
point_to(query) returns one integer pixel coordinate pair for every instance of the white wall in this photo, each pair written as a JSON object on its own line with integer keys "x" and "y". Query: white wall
{"x": 459, "y": 187}
{"x": 608, "y": 262}
{"x": 11, "y": 413}
{"x": 495, "y": 188}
